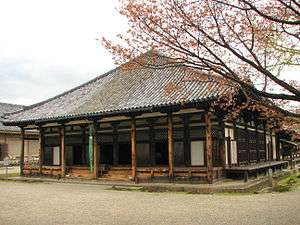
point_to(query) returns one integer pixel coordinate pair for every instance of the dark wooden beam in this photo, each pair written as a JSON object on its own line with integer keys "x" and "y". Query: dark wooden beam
{"x": 170, "y": 146}
{"x": 62, "y": 151}
{"x": 152, "y": 141}
{"x": 209, "y": 147}
{"x": 222, "y": 142}
{"x": 96, "y": 151}
{"x": 115, "y": 144}
{"x": 41, "y": 149}
{"x": 256, "y": 143}
{"x": 133, "y": 148}
{"x": 187, "y": 141}
{"x": 277, "y": 147}
{"x": 22, "y": 151}
{"x": 84, "y": 152}
{"x": 265, "y": 142}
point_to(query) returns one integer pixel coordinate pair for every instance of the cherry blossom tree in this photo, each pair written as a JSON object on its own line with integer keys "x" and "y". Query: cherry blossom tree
{"x": 246, "y": 42}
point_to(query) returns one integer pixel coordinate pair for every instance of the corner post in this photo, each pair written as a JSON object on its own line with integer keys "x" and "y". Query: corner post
{"x": 133, "y": 148}
{"x": 170, "y": 146}
{"x": 209, "y": 149}
{"x": 62, "y": 150}
{"x": 96, "y": 150}
{"x": 22, "y": 151}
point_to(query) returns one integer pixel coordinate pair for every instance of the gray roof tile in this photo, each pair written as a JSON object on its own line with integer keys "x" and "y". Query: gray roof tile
{"x": 126, "y": 89}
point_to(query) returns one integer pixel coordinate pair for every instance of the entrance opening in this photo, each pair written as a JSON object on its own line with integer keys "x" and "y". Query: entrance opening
{"x": 106, "y": 154}
{"x": 77, "y": 155}
{"x": 125, "y": 154}
{"x": 161, "y": 153}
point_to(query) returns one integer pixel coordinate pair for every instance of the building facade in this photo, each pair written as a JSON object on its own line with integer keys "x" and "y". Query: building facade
{"x": 11, "y": 140}
{"x": 145, "y": 124}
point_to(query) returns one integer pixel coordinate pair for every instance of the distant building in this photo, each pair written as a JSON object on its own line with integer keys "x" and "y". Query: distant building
{"x": 10, "y": 137}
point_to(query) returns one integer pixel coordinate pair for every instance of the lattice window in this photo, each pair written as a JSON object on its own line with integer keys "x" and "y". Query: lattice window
{"x": 214, "y": 132}
{"x": 105, "y": 138}
{"x": 69, "y": 140}
{"x": 196, "y": 133}
{"x": 124, "y": 137}
{"x": 242, "y": 144}
{"x": 51, "y": 140}
{"x": 161, "y": 135}
{"x": 142, "y": 135}
{"x": 178, "y": 134}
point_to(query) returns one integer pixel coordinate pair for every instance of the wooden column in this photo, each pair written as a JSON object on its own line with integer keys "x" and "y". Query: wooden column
{"x": 209, "y": 147}
{"x": 115, "y": 144}
{"x": 84, "y": 152}
{"x": 96, "y": 151}
{"x": 22, "y": 151}
{"x": 187, "y": 141}
{"x": 170, "y": 146}
{"x": 41, "y": 149}
{"x": 222, "y": 142}
{"x": 62, "y": 151}
{"x": 265, "y": 142}
{"x": 256, "y": 143}
{"x": 133, "y": 149}
{"x": 277, "y": 147}
{"x": 152, "y": 142}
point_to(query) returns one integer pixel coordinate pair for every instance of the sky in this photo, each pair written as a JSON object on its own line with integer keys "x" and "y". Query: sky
{"x": 50, "y": 46}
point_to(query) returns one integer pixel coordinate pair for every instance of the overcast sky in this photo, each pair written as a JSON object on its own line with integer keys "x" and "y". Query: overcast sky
{"x": 50, "y": 46}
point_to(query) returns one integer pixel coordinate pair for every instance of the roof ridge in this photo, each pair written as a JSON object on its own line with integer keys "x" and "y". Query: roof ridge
{"x": 11, "y": 104}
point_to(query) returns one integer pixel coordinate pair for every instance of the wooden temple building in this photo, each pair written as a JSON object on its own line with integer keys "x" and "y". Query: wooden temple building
{"x": 146, "y": 124}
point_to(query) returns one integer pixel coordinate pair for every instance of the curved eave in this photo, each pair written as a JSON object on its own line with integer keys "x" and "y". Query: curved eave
{"x": 97, "y": 115}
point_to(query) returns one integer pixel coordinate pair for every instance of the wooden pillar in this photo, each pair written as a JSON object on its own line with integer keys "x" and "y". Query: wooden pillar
{"x": 96, "y": 151}
{"x": 277, "y": 148}
{"x": 152, "y": 142}
{"x": 256, "y": 143}
{"x": 170, "y": 146}
{"x": 222, "y": 142}
{"x": 115, "y": 144}
{"x": 22, "y": 151}
{"x": 133, "y": 149}
{"x": 41, "y": 149}
{"x": 186, "y": 141}
{"x": 209, "y": 147}
{"x": 62, "y": 151}
{"x": 84, "y": 152}
{"x": 248, "y": 143}
{"x": 265, "y": 142}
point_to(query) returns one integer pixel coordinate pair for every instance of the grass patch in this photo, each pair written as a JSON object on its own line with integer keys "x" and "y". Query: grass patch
{"x": 288, "y": 184}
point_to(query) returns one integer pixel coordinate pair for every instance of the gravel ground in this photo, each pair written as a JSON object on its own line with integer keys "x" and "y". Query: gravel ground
{"x": 56, "y": 204}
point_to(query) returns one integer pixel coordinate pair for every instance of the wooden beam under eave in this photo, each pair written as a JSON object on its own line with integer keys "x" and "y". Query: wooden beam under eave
{"x": 96, "y": 151}
{"x": 209, "y": 147}
{"x": 133, "y": 149}
{"x": 62, "y": 150}
{"x": 170, "y": 146}
{"x": 22, "y": 151}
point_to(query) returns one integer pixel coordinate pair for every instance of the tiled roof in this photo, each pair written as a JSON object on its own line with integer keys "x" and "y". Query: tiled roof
{"x": 8, "y": 108}
{"x": 122, "y": 90}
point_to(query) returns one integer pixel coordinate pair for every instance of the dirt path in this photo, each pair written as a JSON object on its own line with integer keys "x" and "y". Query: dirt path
{"x": 41, "y": 203}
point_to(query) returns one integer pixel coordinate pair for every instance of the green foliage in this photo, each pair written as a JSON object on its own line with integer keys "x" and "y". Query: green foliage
{"x": 288, "y": 184}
